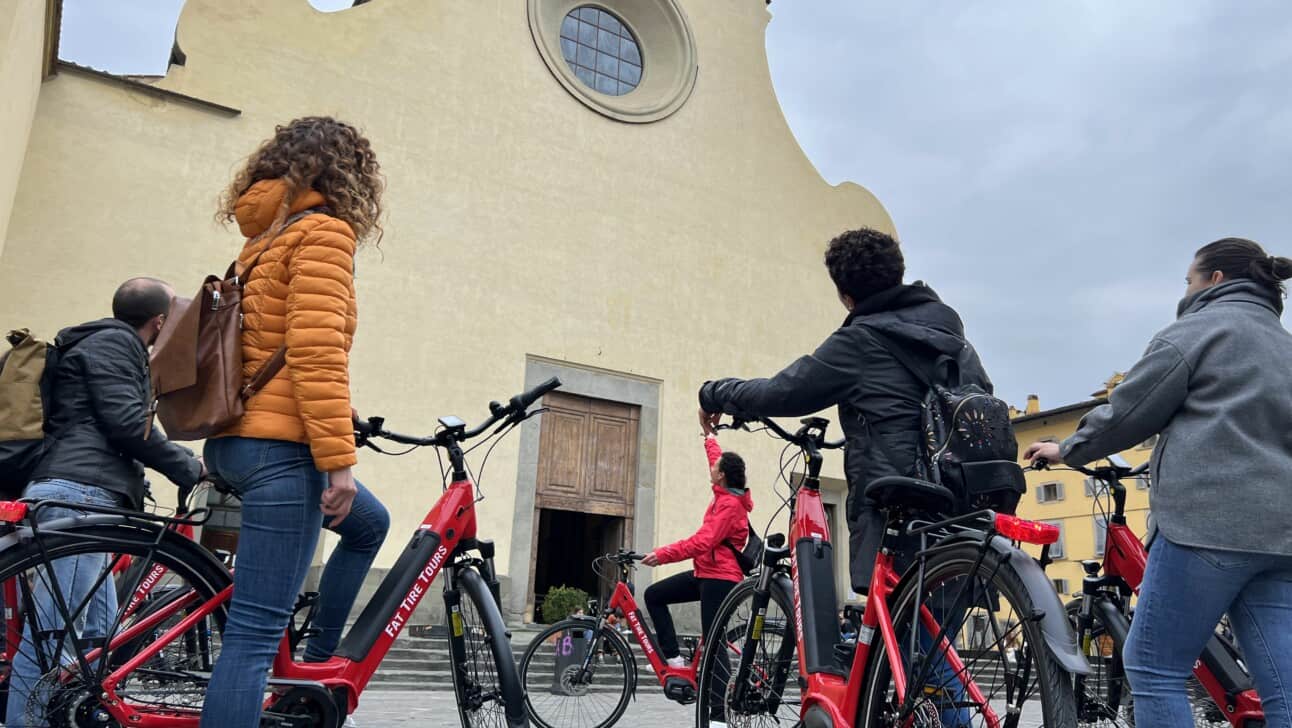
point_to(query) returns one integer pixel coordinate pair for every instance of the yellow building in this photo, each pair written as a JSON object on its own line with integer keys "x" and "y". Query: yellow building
{"x": 634, "y": 216}
{"x": 1067, "y": 499}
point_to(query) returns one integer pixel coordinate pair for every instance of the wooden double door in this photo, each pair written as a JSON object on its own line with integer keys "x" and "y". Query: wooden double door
{"x": 587, "y": 482}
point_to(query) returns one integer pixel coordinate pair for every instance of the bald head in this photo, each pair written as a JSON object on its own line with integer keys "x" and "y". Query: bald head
{"x": 139, "y": 300}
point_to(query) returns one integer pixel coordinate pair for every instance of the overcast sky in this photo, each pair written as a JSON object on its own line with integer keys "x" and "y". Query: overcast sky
{"x": 1051, "y": 167}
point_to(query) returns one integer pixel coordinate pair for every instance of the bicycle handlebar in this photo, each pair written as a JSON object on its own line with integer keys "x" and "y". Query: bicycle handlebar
{"x": 514, "y": 410}
{"x": 1104, "y": 472}
{"x": 812, "y": 431}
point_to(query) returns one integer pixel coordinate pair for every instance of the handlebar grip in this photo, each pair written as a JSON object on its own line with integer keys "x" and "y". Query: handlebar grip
{"x": 522, "y": 401}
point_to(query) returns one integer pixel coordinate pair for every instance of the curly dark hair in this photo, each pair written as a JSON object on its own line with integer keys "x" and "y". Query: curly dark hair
{"x": 732, "y": 466}
{"x": 1243, "y": 258}
{"x": 322, "y": 153}
{"x": 864, "y": 262}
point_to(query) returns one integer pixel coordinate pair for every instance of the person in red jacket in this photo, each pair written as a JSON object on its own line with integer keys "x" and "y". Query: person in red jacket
{"x": 713, "y": 549}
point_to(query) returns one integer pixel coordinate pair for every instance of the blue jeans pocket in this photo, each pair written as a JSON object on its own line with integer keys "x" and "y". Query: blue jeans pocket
{"x": 1223, "y": 560}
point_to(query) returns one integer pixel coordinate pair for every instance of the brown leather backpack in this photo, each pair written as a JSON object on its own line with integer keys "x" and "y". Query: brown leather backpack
{"x": 197, "y": 358}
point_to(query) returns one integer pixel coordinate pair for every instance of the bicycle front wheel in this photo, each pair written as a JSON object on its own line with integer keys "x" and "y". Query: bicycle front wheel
{"x": 757, "y": 628}
{"x": 1104, "y": 697}
{"x": 488, "y": 689}
{"x": 991, "y": 660}
{"x": 560, "y": 693}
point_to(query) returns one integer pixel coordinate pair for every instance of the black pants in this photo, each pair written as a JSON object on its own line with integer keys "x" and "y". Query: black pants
{"x": 680, "y": 589}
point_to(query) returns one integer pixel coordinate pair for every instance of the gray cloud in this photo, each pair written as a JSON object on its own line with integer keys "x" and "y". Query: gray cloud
{"x": 1050, "y": 166}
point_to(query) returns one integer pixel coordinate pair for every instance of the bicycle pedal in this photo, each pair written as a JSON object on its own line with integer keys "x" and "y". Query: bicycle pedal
{"x": 679, "y": 690}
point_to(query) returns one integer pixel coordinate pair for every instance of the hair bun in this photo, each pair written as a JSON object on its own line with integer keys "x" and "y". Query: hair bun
{"x": 1280, "y": 267}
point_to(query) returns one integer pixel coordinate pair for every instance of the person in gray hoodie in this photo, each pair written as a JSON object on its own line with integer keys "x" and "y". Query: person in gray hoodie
{"x": 1217, "y": 386}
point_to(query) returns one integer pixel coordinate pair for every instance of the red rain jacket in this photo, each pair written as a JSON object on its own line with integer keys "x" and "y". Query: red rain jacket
{"x": 725, "y": 522}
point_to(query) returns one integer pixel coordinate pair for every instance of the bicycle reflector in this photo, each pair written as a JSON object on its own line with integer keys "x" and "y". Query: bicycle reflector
{"x": 12, "y": 511}
{"x": 1018, "y": 529}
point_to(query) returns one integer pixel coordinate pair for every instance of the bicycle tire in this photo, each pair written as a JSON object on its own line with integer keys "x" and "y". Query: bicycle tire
{"x": 186, "y": 563}
{"x": 1058, "y": 704}
{"x": 731, "y": 628}
{"x": 1206, "y": 714}
{"x": 475, "y": 627}
{"x": 615, "y": 648}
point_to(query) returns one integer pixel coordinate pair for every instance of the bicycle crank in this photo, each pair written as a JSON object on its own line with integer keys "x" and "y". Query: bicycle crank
{"x": 303, "y": 706}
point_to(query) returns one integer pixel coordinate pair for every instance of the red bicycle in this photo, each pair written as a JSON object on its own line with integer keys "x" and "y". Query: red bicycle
{"x": 161, "y": 682}
{"x": 971, "y": 633}
{"x": 1222, "y": 691}
{"x": 588, "y": 684}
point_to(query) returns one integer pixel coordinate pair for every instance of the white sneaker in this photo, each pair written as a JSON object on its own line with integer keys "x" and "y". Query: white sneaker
{"x": 349, "y": 722}
{"x": 676, "y": 662}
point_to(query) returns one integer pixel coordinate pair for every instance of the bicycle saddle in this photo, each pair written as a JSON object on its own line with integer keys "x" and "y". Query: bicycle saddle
{"x": 910, "y": 494}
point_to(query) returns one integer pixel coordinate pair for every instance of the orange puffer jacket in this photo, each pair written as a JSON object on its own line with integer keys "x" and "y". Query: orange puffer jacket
{"x": 302, "y": 293}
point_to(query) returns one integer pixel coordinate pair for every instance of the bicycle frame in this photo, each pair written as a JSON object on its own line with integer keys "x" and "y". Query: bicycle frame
{"x": 828, "y": 690}
{"x": 446, "y": 534}
{"x": 623, "y": 604}
{"x": 1125, "y": 559}
{"x": 830, "y": 695}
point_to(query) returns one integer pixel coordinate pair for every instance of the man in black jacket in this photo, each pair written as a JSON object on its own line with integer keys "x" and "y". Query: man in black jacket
{"x": 99, "y": 437}
{"x": 876, "y": 395}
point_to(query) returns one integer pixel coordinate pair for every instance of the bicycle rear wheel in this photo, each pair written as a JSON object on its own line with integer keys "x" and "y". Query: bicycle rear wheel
{"x": 993, "y": 658}
{"x": 768, "y": 692}
{"x": 57, "y": 675}
{"x": 559, "y": 694}
{"x": 485, "y": 681}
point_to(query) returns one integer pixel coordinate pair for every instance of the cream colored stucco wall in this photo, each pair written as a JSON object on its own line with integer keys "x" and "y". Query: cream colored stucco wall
{"x": 520, "y": 222}
{"x": 22, "y": 39}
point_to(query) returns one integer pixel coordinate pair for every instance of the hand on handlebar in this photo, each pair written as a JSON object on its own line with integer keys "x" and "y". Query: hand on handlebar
{"x": 1042, "y": 454}
{"x": 709, "y": 421}
{"x": 650, "y": 559}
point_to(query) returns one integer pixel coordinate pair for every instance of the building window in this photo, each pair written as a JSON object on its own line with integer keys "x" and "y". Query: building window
{"x": 601, "y": 51}
{"x": 1060, "y": 585}
{"x": 1149, "y": 444}
{"x": 1092, "y": 487}
{"x": 1049, "y": 492}
{"x": 1057, "y": 549}
{"x": 1101, "y": 534}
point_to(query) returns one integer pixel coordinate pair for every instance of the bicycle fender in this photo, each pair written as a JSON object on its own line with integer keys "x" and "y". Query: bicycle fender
{"x": 1055, "y": 627}
{"x": 1117, "y": 624}
{"x": 70, "y": 525}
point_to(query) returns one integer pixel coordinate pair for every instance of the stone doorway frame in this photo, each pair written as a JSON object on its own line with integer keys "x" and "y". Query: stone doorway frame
{"x": 599, "y": 384}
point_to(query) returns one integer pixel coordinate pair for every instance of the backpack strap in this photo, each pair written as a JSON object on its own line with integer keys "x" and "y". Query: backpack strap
{"x": 904, "y": 358}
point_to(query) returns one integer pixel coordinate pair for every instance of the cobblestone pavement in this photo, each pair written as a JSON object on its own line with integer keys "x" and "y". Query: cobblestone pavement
{"x": 389, "y": 708}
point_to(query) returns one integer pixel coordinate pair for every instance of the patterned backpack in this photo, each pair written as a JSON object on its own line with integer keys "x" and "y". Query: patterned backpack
{"x": 969, "y": 443}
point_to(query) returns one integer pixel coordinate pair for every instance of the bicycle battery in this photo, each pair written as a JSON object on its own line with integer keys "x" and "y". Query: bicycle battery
{"x": 816, "y": 597}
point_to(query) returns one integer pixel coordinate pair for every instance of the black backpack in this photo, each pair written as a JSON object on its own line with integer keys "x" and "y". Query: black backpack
{"x": 26, "y": 384}
{"x": 969, "y": 443}
{"x": 752, "y": 554}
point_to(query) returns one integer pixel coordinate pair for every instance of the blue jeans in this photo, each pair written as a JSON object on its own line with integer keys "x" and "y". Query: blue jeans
{"x": 281, "y": 520}
{"x": 75, "y": 577}
{"x": 1185, "y": 593}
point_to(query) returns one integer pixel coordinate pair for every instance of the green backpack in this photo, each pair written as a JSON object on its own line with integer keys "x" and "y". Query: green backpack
{"x": 26, "y": 379}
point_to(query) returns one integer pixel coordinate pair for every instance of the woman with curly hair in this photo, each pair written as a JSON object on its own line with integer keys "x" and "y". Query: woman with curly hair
{"x": 305, "y": 200}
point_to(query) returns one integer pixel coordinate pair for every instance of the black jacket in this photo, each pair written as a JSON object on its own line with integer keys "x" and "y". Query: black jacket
{"x": 98, "y": 429}
{"x": 874, "y": 392}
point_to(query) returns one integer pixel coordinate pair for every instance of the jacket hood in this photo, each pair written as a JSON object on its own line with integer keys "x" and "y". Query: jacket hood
{"x": 912, "y": 312}
{"x": 75, "y": 334}
{"x": 260, "y": 204}
{"x": 740, "y": 494}
{"x": 1243, "y": 290}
